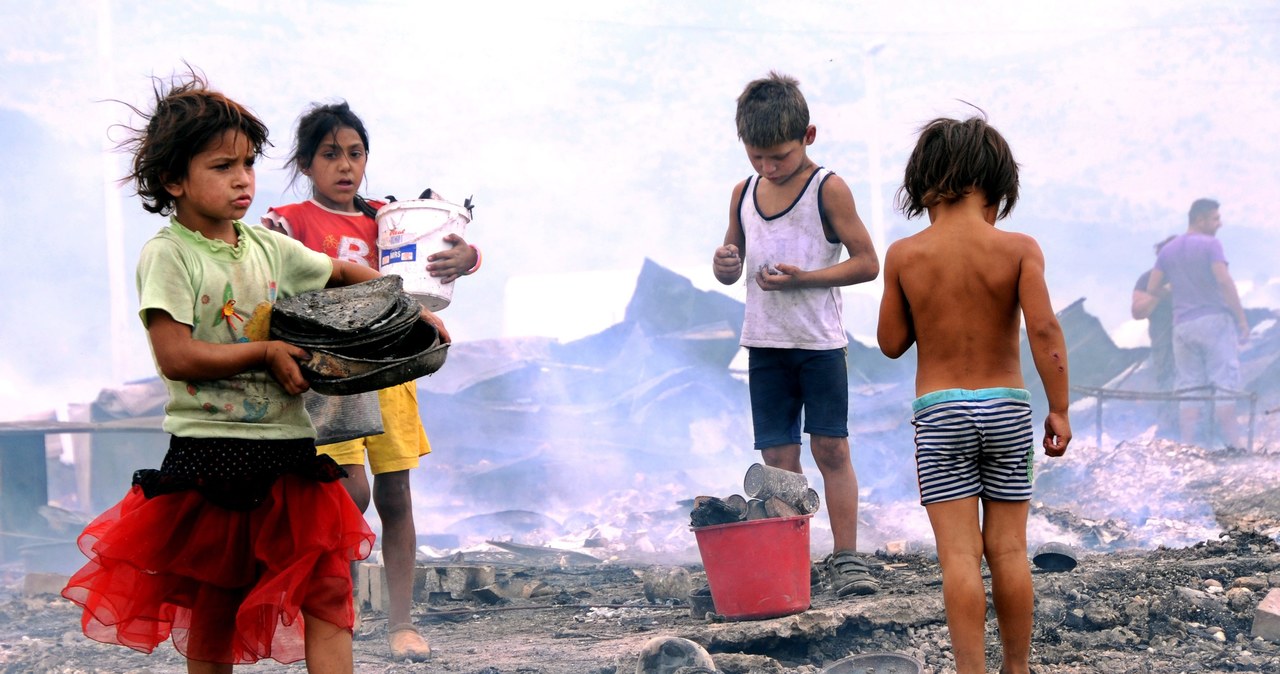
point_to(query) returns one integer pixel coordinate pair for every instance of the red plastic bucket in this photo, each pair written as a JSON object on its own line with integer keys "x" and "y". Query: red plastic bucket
{"x": 758, "y": 568}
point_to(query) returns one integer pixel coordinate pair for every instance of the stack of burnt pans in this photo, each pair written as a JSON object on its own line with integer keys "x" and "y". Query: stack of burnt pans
{"x": 362, "y": 337}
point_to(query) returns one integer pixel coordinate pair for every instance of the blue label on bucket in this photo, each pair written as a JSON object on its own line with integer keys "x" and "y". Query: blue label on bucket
{"x": 407, "y": 253}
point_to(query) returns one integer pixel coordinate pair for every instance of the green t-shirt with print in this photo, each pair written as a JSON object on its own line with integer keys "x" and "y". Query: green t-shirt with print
{"x": 215, "y": 288}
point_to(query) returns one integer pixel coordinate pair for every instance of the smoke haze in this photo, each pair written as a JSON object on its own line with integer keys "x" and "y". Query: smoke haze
{"x": 594, "y": 136}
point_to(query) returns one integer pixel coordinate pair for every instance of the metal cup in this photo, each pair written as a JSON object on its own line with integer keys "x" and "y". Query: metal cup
{"x": 763, "y": 482}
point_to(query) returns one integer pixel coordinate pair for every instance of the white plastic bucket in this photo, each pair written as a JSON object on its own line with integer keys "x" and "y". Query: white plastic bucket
{"x": 411, "y": 230}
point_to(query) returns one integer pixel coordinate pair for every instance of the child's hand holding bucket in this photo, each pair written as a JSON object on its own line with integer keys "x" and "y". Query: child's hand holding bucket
{"x": 458, "y": 260}
{"x": 413, "y": 229}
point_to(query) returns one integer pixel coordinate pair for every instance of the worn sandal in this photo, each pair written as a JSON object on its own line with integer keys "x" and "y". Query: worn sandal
{"x": 407, "y": 644}
{"x": 849, "y": 574}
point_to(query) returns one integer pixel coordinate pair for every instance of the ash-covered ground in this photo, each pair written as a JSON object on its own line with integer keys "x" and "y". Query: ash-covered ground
{"x": 1131, "y": 604}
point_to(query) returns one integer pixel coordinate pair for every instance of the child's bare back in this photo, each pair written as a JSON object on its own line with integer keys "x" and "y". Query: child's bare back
{"x": 965, "y": 285}
{"x": 960, "y": 290}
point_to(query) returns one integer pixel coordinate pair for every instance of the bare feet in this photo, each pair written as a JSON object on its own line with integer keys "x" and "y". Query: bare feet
{"x": 407, "y": 644}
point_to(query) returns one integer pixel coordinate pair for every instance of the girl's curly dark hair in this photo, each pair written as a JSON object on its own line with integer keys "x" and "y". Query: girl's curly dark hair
{"x": 186, "y": 117}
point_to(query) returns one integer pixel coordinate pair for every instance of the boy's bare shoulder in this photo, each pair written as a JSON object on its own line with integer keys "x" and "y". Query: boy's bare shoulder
{"x": 1019, "y": 242}
{"x": 911, "y": 243}
{"x": 1012, "y": 242}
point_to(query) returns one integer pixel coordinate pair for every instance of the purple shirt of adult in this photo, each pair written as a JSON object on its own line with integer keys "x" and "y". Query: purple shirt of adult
{"x": 1187, "y": 263}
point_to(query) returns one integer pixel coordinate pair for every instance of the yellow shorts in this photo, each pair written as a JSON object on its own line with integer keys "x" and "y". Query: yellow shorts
{"x": 403, "y": 439}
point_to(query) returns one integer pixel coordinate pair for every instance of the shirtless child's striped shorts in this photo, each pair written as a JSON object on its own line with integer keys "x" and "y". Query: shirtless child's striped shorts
{"x": 974, "y": 443}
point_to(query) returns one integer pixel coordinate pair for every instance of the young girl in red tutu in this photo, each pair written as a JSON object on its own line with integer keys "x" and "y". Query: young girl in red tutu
{"x": 239, "y": 546}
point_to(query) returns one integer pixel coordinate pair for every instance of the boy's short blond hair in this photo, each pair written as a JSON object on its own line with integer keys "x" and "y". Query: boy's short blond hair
{"x": 772, "y": 111}
{"x": 953, "y": 157}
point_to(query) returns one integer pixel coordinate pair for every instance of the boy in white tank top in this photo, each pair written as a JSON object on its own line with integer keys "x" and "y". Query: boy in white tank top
{"x": 790, "y": 223}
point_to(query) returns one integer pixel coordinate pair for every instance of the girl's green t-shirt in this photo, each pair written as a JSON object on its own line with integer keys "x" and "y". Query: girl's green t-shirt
{"x": 216, "y": 288}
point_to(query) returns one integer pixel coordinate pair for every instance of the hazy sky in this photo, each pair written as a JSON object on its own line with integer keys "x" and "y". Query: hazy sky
{"x": 594, "y": 135}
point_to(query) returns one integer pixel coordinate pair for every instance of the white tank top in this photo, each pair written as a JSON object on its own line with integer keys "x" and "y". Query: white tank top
{"x": 805, "y": 318}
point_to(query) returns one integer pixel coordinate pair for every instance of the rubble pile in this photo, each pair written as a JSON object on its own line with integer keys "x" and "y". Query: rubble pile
{"x": 1193, "y": 609}
{"x": 1149, "y": 493}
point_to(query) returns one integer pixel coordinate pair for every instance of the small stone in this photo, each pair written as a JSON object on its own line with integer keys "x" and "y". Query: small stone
{"x": 1240, "y": 599}
{"x": 1193, "y": 597}
{"x": 1100, "y": 616}
{"x": 1137, "y": 608}
{"x": 667, "y": 582}
{"x": 1255, "y": 583}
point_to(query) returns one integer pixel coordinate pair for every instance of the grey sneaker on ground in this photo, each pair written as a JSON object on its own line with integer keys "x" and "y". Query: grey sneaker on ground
{"x": 849, "y": 574}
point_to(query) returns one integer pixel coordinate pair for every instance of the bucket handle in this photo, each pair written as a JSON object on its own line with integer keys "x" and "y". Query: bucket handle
{"x": 426, "y": 194}
{"x": 368, "y": 209}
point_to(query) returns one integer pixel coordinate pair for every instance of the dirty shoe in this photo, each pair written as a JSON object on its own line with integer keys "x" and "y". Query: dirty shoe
{"x": 407, "y": 644}
{"x": 849, "y": 574}
{"x": 668, "y": 655}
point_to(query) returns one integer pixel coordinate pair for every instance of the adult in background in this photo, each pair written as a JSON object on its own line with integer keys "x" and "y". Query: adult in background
{"x": 1157, "y": 310}
{"x": 1209, "y": 324}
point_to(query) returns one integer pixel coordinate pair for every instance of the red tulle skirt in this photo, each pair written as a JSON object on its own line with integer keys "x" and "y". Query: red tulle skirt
{"x": 227, "y": 586}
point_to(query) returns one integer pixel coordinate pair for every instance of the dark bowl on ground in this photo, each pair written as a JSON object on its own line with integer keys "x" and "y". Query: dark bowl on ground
{"x": 701, "y": 603}
{"x": 1054, "y": 557}
{"x": 876, "y": 663}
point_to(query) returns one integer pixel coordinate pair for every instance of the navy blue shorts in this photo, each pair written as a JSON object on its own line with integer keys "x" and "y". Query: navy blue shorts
{"x": 785, "y": 381}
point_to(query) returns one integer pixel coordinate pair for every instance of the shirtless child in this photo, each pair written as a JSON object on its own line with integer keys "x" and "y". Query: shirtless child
{"x": 957, "y": 290}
